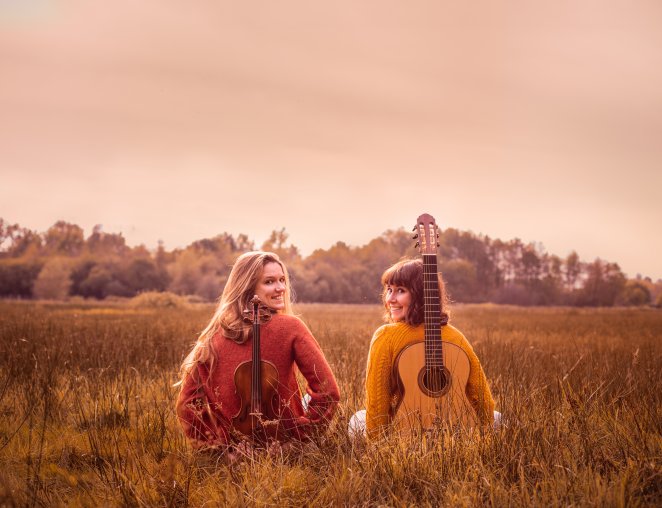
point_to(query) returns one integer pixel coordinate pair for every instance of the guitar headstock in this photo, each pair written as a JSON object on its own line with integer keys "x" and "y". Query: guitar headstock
{"x": 426, "y": 234}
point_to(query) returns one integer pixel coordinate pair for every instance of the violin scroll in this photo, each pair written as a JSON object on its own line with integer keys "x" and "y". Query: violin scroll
{"x": 264, "y": 313}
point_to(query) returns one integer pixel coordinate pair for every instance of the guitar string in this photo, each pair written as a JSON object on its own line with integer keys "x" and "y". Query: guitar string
{"x": 432, "y": 319}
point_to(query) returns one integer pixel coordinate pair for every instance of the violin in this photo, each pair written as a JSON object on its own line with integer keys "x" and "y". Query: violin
{"x": 256, "y": 383}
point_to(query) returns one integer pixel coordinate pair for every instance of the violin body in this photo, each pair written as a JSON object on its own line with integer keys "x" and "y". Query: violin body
{"x": 249, "y": 420}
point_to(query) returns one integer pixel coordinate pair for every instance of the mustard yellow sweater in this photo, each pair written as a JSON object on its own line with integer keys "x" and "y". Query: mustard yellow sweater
{"x": 386, "y": 343}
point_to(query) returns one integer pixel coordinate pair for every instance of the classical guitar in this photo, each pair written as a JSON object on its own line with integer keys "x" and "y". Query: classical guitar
{"x": 256, "y": 381}
{"x": 432, "y": 375}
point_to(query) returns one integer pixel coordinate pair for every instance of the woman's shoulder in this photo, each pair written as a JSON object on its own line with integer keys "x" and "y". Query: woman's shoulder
{"x": 288, "y": 322}
{"x": 393, "y": 331}
{"x": 452, "y": 334}
{"x": 452, "y": 331}
{"x": 379, "y": 333}
{"x": 390, "y": 328}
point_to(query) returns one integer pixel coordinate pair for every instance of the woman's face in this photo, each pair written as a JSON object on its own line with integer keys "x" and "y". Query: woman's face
{"x": 271, "y": 286}
{"x": 397, "y": 300}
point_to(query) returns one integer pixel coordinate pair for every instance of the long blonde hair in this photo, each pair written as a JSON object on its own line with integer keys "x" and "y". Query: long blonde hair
{"x": 228, "y": 318}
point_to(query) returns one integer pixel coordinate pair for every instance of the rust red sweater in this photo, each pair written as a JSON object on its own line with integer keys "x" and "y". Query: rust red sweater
{"x": 208, "y": 400}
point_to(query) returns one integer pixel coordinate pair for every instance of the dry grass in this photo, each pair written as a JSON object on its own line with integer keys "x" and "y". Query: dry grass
{"x": 86, "y": 414}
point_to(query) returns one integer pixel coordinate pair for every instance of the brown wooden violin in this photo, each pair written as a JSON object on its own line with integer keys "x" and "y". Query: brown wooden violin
{"x": 256, "y": 381}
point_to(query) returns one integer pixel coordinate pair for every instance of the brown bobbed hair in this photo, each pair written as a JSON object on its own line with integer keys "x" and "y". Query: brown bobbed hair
{"x": 408, "y": 273}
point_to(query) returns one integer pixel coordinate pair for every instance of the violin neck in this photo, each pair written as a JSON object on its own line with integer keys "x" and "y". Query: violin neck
{"x": 256, "y": 378}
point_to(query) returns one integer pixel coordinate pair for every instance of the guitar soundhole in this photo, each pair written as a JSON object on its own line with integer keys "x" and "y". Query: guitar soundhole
{"x": 434, "y": 382}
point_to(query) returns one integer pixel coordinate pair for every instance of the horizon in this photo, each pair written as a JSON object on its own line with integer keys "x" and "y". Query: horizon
{"x": 305, "y": 254}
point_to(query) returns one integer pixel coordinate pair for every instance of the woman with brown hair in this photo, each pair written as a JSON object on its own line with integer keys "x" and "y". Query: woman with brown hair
{"x": 209, "y": 400}
{"x": 402, "y": 296}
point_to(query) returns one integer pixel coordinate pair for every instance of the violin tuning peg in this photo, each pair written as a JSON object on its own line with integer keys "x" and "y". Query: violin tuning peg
{"x": 417, "y": 244}
{"x": 415, "y": 236}
{"x": 414, "y": 229}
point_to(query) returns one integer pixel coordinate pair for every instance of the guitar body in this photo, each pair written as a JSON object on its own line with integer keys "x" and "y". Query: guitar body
{"x": 432, "y": 398}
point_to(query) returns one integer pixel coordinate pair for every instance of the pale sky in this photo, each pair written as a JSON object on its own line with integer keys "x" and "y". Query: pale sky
{"x": 171, "y": 120}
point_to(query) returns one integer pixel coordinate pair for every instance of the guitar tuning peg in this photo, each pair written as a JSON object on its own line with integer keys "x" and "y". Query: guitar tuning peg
{"x": 415, "y": 236}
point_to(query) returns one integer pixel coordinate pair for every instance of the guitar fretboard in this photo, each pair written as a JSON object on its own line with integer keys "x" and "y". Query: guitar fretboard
{"x": 432, "y": 309}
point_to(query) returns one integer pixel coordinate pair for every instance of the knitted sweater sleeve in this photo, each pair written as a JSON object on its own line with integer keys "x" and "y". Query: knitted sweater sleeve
{"x": 195, "y": 413}
{"x": 378, "y": 383}
{"x": 322, "y": 386}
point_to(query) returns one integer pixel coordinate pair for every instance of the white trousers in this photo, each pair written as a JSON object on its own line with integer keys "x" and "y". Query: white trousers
{"x": 356, "y": 427}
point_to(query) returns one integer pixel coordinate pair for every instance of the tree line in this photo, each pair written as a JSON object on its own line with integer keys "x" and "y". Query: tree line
{"x": 61, "y": 262}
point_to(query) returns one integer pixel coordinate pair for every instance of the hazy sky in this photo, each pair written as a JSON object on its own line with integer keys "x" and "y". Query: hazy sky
{"x": 177, "y": 121}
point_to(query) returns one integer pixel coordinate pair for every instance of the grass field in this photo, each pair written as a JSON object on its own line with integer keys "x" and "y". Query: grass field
{"x": 86, "y": 414}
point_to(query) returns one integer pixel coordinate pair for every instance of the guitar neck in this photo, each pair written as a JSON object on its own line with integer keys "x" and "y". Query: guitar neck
{"x": 432, "y": 312}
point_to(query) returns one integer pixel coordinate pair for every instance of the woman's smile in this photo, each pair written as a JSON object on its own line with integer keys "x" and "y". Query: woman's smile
{"x": 272, "y": 286}
{"x": 398, "y": 299}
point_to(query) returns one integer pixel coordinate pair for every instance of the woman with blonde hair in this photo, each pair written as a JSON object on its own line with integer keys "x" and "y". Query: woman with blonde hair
{"x": 209, "y": 400}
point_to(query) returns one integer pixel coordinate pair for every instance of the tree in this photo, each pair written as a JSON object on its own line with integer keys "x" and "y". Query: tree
{"x": 142, "y": 274}
{"x": 17, "y": 277}
{"x": 5, "y": 235}
{"x": 53, "y": 282}
{"x": 573, "y": 268}
{"x": 16, "y": 241}
{"x": 277, "y": 243}
{"x": 194, "y": 272}
{"x": 79, "y": 273}
{"x": 243, "y": 243}
{"x": 96, "y": 284}
{"x": 604, "y": 283}
{"x": 460, "y": 278}
{"x": 635, "y": 293}
{"x": 106, "y": 244}
{"x": 64, "y": 238}
{"x": 530, "y": 265}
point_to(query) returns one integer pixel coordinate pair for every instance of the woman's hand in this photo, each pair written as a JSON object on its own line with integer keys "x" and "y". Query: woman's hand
{"x": 277, "y": 448}
{"x": 241, "y": 451}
